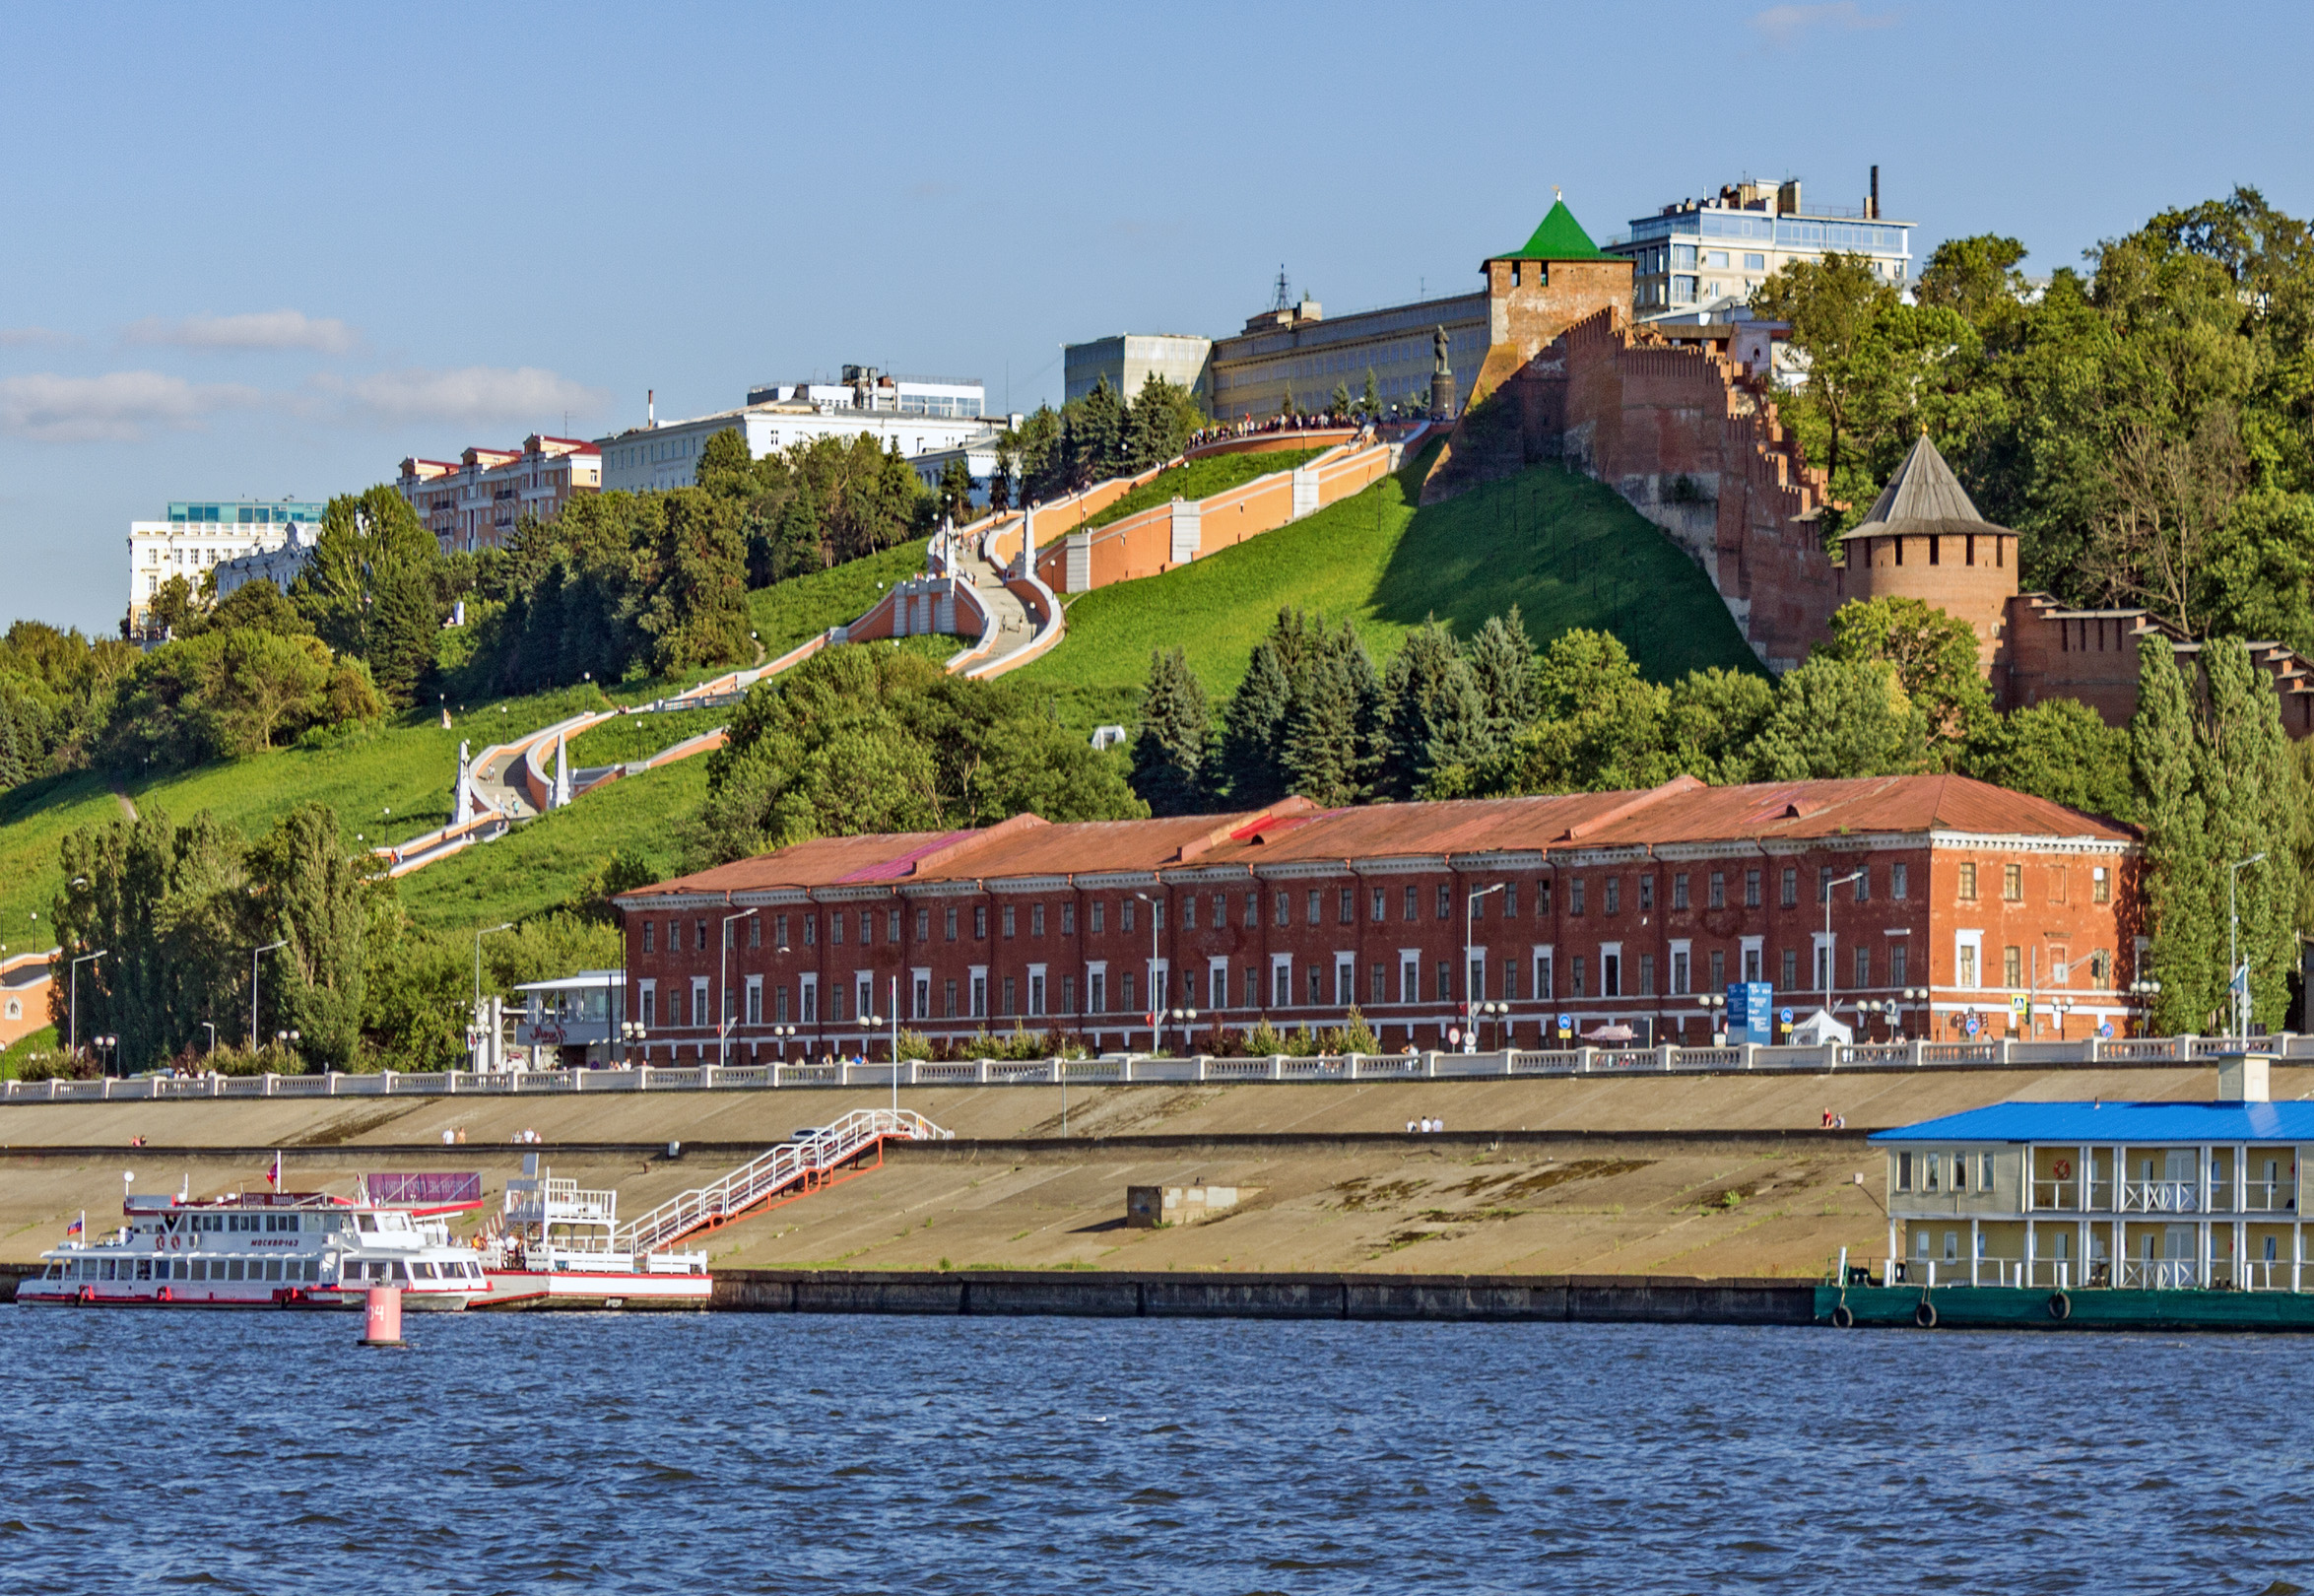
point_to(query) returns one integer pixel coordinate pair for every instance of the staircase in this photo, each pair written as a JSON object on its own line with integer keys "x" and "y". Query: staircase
{"x": 807, "y": 1164}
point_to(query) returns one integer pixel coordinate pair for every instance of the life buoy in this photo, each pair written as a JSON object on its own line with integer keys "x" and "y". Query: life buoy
{"x": 1843, "y": 1317}
{"x": 167, "y": 1296}
{"x": 2060, "y": 1306}
{"x": 2061, "y": 1168}
{"x": 1924, "y": 1315}
{"x": 159, "y": 1242}
{"x": 88, "y": 1293}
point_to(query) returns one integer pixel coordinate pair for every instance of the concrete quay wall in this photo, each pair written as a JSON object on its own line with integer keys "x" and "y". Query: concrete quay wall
{"x": 1551, "y": 1299}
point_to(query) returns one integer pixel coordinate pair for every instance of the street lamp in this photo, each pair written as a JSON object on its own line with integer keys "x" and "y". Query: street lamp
{"x": 1918, "y": 996}
{"x": 779, "y": 1034}
{"x": 254, "y": 953}
{"x": 631, "y": 1033}
{"x": 2237, "y": 974}
{"x": 2144, "y": 992}
{"x": 1184, "y": 1018}
{"x": 1830, "y": 974}
{"x": 72, "y": 1030}
{"x": 1470, "y": 998}
{"x": 1495, "y": 1010}
{"x": 106, "y": 1045}
{"x": 288, "y": 1039}
{"x": 1714, "y": 1006}
{"x": 480, "y": 932}
{"x": 1156, "y": 999}
{"x": 727, "y": 1011}
{"x": 212, "y": 1025}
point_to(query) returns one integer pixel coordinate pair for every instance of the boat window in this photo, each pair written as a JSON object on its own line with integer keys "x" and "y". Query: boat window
{"x": 88, "y": 1269}
{"x": 1928, "y": 1172}
{"x": 273, "y": 1269}
{"x": 366, "y": 1223}
{"x": 1985, "y": 1175}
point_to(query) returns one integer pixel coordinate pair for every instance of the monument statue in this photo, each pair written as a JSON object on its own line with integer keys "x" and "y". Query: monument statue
{"x": 1439, "y": 367}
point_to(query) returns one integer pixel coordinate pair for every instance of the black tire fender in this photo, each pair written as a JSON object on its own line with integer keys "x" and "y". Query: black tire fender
{"x": 2060, "y": 1306}
{"x": 1843, "y": 1317}
{"x": 1925, "y": 1314}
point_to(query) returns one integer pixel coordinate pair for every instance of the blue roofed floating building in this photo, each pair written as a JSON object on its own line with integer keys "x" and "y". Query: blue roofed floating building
{"x": 2136, "y": 1213}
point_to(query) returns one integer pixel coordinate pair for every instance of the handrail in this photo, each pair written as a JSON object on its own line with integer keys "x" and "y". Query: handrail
{"x": 785, "y": 1166}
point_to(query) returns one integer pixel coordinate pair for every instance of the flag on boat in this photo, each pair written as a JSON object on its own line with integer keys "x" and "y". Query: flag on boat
{"x": 75, "y": 1227}
{"x": 272, "y": 1176}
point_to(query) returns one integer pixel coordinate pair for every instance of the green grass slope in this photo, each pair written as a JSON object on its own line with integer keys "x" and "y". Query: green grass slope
{"x": 1202, "y": 479}
{"x": 1568, "y": 551}
{"x": 800, "y": 609}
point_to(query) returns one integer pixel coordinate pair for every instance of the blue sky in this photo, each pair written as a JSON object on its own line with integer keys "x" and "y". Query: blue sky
{"x": 269, "y": 250}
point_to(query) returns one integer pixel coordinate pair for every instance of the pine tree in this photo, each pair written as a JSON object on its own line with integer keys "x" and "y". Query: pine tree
{"x": 1256, "y": 720}
{"x": 1502, "y": 664}
{"x": 1371, "y": 400}
{"x": 1169, "y": 754}
{"x": 1320, "y": 754}
{"x": 2176, "y": 848}
{"x": 1436, "y": 717}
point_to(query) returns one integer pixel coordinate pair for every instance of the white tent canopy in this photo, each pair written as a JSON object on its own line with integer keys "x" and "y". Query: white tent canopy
{"x": 1821, "y": 1028}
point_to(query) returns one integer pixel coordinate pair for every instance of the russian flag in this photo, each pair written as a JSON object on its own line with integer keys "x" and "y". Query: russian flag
{"x": 74, "y": 1229}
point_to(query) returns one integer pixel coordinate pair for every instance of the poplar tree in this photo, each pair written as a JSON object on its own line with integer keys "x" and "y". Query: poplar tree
{"x": 2176, "y": 845}
{"x": 310, "y": 895}
{"x": 2252, "y": 806}
{"x": 1169, "y": 754}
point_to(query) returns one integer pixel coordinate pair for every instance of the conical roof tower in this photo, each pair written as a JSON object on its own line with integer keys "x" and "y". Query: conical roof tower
{"x": 1923, "y": 495}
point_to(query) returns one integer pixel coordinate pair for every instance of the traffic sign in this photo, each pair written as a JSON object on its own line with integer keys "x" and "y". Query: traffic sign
{"x": 1566, "y": 1021}
{"x": 2105, "y": 1030}
{"x": 1785, "y": 1015}
{"x": 2019, "y": 1003}
{"x": 1454, "y": 1033}
{"x": 1970, "y": 1025}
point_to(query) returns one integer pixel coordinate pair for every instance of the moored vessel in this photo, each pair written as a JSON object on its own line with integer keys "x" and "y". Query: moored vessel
{"x": 555, "y": 1246}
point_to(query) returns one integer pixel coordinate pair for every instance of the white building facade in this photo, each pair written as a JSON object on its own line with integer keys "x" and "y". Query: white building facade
{"x": 201, "y": 535}
{"x": 1723, "y": 248}
{"x": 918, "y": 416}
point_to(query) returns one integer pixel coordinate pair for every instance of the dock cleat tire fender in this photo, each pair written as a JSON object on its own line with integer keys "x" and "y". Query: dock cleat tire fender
{"x": 2060, "y": 1307}
{"x": 1925, "y": 1314}
{"x": 1843, "y": 1317}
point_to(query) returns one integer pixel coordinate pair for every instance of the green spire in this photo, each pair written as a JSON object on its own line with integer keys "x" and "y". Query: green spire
{"x": 1560, "y": 237}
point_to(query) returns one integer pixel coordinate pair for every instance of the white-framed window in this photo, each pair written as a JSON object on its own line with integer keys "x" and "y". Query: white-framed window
{"x": 647, "y": 1003}
{"x": 920, "y": 986}
{"x": 1036, "y": 984}
{"x": 979, "y": 974}
{"x": 1546, "y": 974}
{"x": 1750, "y": 954}
{"x": 863, "y": 982}
{"x": 810, "y": 1000}
{"x": 1410, "y": 976}
{"x": 1822, "y": 962}
{"x": 699, "y": 1001}
{"x": 1216, "y": 976}
{"x": 1610, "y": 969}
{"x": 1097, "y": 987}
{"x": 1681, "y": 962}
{"x": 754, "y": 1000}
{"x": 1282, "y": 980}
{"x": 1968, "y": 960}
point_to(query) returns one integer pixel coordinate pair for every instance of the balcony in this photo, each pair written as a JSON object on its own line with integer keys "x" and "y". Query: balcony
{"x": 2159, "y": 1197}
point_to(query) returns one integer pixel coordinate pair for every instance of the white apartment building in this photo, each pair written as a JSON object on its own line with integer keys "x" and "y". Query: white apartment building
{"x": 476, "y": 500}
{"x": 1694, "y": 251}
{"x": 921, "y": 416}
{"x": 201, "y": 535}
{"x": 280, "y": 565}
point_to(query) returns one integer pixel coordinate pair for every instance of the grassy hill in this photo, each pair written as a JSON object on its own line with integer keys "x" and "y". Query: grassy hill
{"x": 406, "y": 767}
{"x": 1568, "y": 551}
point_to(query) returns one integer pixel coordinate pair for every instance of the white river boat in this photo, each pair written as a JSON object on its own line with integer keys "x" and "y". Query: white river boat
{"x": 555, "y": 1246}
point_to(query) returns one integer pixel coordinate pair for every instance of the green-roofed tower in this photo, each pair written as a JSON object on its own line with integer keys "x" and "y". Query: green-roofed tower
{"x": 1558, "y": 237}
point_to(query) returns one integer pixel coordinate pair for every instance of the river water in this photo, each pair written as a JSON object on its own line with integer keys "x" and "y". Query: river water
{"x": 703, "y": 1454}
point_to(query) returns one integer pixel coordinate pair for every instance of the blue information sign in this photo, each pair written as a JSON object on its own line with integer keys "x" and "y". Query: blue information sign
{"x": 1752, "y": 1007}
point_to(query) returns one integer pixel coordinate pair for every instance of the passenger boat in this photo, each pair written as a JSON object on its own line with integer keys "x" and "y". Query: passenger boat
{"x": 261, "y": 1249}
{"x": 2094, "y": 1215}
{"x": 554, "y": 1245}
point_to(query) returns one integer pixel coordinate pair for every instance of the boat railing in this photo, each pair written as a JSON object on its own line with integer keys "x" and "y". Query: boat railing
{"x": 2061, "y": 1196}
{"x": 2160, "y": 1274}
{"x": 2052, "y": 1274}
{"x": 2161, "y": 1197}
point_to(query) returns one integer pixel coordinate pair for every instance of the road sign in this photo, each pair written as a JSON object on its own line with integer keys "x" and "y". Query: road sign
{"x": 1454, "y": 1033}
{"x": 2019, "y": 1003}
{"x": 1785, "y": 1015}
{"x": 1970, "y": 1025}
{"x": 2105, "y": 1030}
{"x": 1566, "y": 1023}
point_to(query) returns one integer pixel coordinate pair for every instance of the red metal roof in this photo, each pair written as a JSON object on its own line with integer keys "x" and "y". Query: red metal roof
{"x": 1682, "y": 811}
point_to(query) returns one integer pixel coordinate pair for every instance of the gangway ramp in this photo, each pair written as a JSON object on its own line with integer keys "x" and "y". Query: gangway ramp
{"x": 790, "y": 1170}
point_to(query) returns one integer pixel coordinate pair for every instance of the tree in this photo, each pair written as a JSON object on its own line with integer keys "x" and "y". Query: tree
{"x": 1831, "y": 304}
{"x": 1169, "y": 754}
{"x": 725, "y": 467}
{"x": 1976, "y": 278}
{"x": 1436, "y": 718}
{"x": 1714, "y": 717}
{"x": 692, "y": 601}
{"x": 2060, "y": 749}
{"x": 1504, "y": 668}
{"x": 2176, "y": 864}
{"x": 1837, "y": 718}
{"x": 1370, "y": 401}
{"x": 1339, "y": 401}
{"x": 310, "y": 894}
{"x": 2252, "y": 806}
{"x": 368, "y": 588}
{"x": 1936, "y": 658}
{"x": 1165, "y": 414}
{"x": 954, "y": 495}
{"x": 173, "y": 609}
{"x": 1596, "y": 724}
{"x": 1254, "y": 728}
{"x": 1321, "y": 753}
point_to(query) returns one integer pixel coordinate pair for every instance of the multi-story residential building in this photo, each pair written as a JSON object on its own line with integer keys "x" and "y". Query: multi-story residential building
{"x": 280, "y": 565}
{"x": 918, "y": 416}
{"x": 1695, "y": 251}
{"x": 200, "y": 534}
{"x": 1129, "y": 360}
{"x": 477, "y": 500}
{"x": 2013, "y": 915}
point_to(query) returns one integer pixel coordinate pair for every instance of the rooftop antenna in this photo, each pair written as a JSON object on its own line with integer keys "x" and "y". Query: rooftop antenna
{"x": 1285, "y": 299}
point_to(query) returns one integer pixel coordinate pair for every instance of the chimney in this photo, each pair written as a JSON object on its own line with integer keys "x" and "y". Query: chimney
{"x": 1788, "y": 197}
{"x": 2241, "y": 1076}
{"x": 1871, "y": 206}
{"x": 651, "y": 407}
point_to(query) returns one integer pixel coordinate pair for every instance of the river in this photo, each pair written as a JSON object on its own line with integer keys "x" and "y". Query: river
{"x": 704, "y": 1454}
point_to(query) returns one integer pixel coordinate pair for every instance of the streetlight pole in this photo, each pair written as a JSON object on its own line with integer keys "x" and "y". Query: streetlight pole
{"x": 254, "y": 955}
{"x": 72, "y": 1022}
{"x": 896, "y": 1049}
{"x": 1829, "y": 973}
{"x": 723, "y": 1012}
{"x": 1470, "y": 998}
{"x": 2237, "y": 979}
{"x": 1156, "y": 1000}
{"x": 480, "y": 932}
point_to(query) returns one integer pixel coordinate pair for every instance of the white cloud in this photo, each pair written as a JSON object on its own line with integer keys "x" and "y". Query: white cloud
{"x": 33, "y": 338}
{"x": 118, "y": 406}
{"x": 258, "y": 329}
{"x": 472, "y": 395}
{"x": 1782, "y": 25}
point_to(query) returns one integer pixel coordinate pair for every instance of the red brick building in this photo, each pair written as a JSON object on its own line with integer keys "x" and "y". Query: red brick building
{"x": 1619, "y": 907}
